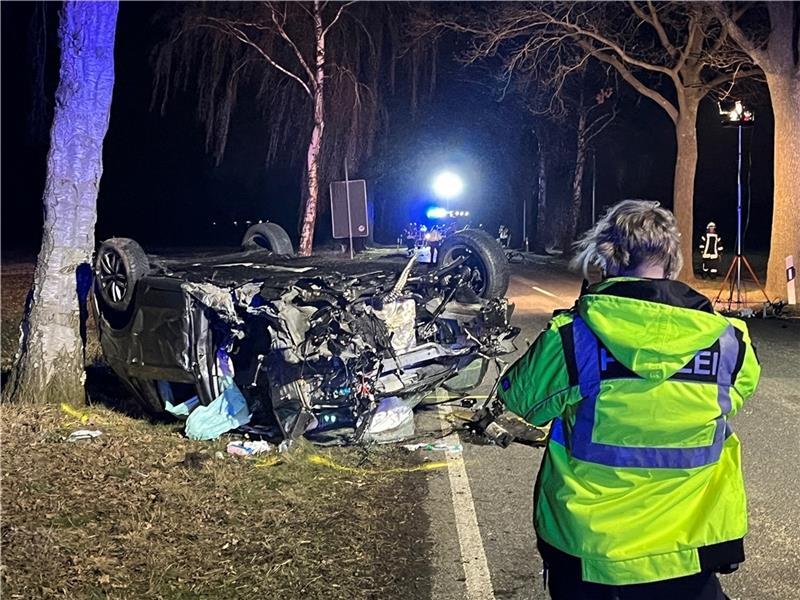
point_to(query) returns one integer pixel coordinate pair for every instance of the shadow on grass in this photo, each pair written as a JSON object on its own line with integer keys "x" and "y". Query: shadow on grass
{"x": 105, "y": 388}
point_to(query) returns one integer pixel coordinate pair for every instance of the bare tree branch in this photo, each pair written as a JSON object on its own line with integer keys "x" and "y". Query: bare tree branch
{"x": 655, "y": 22}
{"x": 336, "y": 18}
{"x": 731, "y": 78}
{"x": 758, "y": 55}
{"x": 279, "y": 27}
{"x": 689, "y": 48}
{"x": 636, "y": 83}
{"x": 609, "y": 44}
{"x": 225, "y": 26}
{"x": 600, "y": 124}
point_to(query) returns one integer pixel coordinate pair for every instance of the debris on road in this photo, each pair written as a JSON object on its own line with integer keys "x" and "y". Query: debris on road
{"x": 433, "y": 447}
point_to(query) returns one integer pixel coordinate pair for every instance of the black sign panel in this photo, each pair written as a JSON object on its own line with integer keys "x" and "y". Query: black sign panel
{"x": 357, "y": 218}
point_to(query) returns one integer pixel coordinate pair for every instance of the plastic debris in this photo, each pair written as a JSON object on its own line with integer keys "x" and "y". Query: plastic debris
{"x": 228, "y": 411}
{"x": 179, "y": 410}
{"x": 438, "y": 446}
{"x": 249, "y": 448}
{"x": 84, "y": 434}
{"x": 72, "y": 412}
{"x": 393, "y": 421}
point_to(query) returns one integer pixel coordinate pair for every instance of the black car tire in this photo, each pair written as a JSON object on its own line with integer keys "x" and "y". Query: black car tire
{"x": 485, "y": 254}
{"x": 118, "y": 265}
{"x": 271, "y": 236}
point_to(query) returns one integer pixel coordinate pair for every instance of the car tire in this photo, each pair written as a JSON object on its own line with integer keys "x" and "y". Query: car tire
{"x": 485, "y": 254}
{"x": 118, "y": 265}
{"x": 270, "y": 236}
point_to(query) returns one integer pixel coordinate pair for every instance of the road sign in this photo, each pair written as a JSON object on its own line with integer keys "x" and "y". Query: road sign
{"x": 355, "y": 219}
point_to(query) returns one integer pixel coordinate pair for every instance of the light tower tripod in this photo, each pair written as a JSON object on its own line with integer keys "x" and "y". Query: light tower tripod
{"x": 737, "y": 294}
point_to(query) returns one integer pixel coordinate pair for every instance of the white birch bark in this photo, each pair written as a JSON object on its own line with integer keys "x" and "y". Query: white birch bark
{"x": 49, "y": 364}
{"x": 315, "y": 144}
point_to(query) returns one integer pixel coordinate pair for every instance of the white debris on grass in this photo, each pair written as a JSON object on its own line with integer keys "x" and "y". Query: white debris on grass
{"x": 84, "y": 434}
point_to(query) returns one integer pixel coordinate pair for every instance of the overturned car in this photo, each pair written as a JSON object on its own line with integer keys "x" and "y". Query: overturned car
{"x": 282, "y": 346}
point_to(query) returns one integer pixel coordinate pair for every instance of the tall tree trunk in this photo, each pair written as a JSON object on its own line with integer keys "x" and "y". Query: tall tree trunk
{"x": 315, "y": 145}
{"x": 540, "y": 240}
{"x": 414, "y": 80}
{"x": 574, "y": 207}
{"x": 785, "y": 239}
{"x": 683, "y": 193}
{"x": 49, "y": 364}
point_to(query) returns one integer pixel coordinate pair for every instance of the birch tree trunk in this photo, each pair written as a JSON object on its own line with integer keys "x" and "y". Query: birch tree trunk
{"x": 315, "y": 145}
{"x": 785, "y": 239}
{"x": 49, "y": 364}
{"x": 574, "y": 207}
{"x": 540, "y": 240}
{"x": 683, "y": 193}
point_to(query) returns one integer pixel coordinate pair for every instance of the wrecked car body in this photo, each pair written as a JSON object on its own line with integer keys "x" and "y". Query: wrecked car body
{"x": 284, "y": 347}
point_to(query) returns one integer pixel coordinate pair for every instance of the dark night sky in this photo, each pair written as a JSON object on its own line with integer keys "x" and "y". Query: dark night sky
{"x": 160, "y": 188}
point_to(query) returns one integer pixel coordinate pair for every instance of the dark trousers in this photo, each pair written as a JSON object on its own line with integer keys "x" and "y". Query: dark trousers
{"x": 703, "y": 586}
{"x": 563, "y": 578}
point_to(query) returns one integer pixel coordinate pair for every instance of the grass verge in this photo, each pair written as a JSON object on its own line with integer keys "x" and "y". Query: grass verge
{"x": 142, "y": 512}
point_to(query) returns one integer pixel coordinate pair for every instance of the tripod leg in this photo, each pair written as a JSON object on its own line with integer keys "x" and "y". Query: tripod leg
{"x": 724, "y": 281}
{"x": 755, "y": 278}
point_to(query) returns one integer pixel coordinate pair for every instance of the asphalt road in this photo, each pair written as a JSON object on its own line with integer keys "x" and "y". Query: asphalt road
{"x": 500, "y": 481}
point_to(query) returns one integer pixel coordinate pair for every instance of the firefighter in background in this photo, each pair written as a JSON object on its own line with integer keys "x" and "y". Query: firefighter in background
{"x": 504, "y": 236}
{"x": 711, "y": 250}
{"x": 433, "y": 239}
{"x": 410, "y": 232}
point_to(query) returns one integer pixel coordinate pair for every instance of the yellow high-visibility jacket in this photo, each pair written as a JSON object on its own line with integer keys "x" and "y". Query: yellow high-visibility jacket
{"x": 641, "y": 478}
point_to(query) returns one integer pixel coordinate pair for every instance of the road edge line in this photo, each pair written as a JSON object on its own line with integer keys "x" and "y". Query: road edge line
{"x": 478, "y": 579}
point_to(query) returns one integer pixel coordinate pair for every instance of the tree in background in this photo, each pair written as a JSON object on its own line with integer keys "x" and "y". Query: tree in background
{"x": 50, "y": 363}
{"x": 559, "y": 89}
{"x": 652, "y": 46}
{"x": 777, "y": 53}
{"x": 317, "y": 71}
{"x": 584, "y": 104}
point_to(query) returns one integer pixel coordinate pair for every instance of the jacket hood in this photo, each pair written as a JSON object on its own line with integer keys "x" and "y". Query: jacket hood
{"x": 652, "y": 326}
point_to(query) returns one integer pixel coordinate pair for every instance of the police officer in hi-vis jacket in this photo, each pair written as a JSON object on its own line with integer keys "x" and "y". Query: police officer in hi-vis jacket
{"x": 640, "y": 491}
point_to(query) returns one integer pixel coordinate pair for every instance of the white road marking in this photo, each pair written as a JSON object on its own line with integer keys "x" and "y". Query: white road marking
{"x": 545, "y": 292}
{"x": 473, "y": 557}
{"x": 532, "y": 284}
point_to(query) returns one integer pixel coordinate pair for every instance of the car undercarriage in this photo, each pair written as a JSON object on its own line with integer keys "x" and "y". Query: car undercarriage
{"x": 282, "y": 347}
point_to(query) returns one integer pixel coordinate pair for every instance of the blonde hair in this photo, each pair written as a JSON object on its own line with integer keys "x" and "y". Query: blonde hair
{"x": 631, "y": 233}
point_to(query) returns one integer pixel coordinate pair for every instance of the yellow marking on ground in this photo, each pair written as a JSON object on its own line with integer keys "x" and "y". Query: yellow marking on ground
{"x": 324, "y": 461}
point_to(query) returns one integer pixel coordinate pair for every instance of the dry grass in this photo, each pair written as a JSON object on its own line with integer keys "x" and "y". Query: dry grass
{"x": 142, "y": 512}
{"x": 14, "y": 285}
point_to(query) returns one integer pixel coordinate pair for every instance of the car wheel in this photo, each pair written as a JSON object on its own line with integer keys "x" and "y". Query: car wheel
{"x": 481, "y": 252}
{"x": 270, "y": 236}
{"x": 119, "y": 264}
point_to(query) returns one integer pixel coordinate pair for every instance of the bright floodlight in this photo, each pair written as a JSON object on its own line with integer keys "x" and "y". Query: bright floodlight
{"x": 447, "y": 185}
